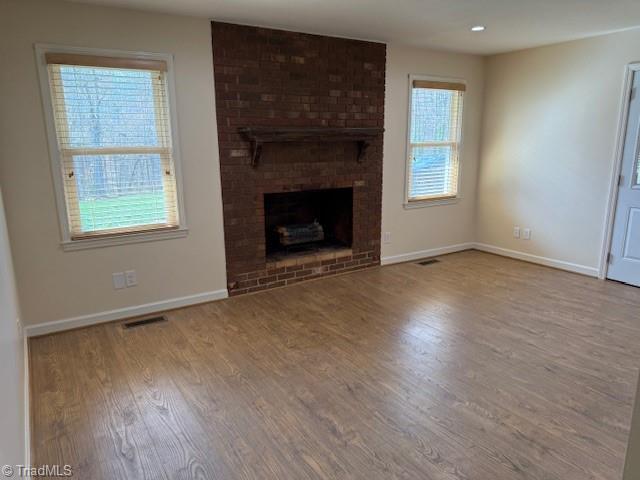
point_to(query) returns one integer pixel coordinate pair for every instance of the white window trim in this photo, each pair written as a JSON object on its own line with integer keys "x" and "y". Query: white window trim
{"x": 407, "y": 172}
{"x": 56, "y": 162}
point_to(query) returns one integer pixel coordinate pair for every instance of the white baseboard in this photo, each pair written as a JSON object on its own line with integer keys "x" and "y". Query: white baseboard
{"x": 409, "y": 257}
{"x": 121, "y": 313}
{"x": 27, "y": 408}
{"x": 549, "y": 262}
{"x": 505, "y": 252}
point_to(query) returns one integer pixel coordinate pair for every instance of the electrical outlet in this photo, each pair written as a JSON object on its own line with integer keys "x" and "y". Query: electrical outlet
{"x": 118, "y": 281}
{"x": 387, "y": 237}
{"x": 516, "y": 232}
{"x": 526, "y": 234}
{"x": 131, "y": 278}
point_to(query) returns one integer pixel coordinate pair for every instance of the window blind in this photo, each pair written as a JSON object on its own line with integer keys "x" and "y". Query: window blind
{"x": 114, "y": 140}
{"x": 434, "y": 139}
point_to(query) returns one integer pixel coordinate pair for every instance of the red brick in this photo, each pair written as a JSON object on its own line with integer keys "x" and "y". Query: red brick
{"x": 276, "y": 78}
{"x": 270, "y": 279}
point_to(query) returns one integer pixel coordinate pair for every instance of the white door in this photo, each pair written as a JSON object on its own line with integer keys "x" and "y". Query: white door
{"x": 625, "y": 244}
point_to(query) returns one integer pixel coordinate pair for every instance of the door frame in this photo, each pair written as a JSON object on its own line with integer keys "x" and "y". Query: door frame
{"x": 614, "y": 183}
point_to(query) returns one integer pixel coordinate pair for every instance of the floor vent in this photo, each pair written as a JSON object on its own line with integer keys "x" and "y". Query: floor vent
{"x": 143, "y": 322}
{"x": 429, "y": 261}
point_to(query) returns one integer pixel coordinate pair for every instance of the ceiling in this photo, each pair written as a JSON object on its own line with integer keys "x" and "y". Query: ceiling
{"x": 439, "y": 24}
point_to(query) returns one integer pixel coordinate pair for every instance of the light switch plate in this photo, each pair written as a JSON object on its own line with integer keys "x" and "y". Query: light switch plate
{"x": 526, "y": 234}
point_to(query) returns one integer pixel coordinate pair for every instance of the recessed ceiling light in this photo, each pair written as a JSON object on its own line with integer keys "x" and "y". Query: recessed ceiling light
{"x": 478, "y": 28}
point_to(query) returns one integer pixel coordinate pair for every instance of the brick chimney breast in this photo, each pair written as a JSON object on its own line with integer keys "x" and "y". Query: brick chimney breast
{"x": 275, "y": 78}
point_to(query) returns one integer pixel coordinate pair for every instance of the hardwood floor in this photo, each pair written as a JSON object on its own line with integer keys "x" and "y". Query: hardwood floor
{"x": 477, "y": 367}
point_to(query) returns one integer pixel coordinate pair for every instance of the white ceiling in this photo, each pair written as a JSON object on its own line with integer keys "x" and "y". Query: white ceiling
{"x": 439, "y": 24}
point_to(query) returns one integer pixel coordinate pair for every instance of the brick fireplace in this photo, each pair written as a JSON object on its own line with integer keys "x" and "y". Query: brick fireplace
{"x": 300, "y": 122}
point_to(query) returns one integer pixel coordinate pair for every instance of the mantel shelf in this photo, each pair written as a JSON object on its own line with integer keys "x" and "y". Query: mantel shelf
{"x": 261, "y": 135}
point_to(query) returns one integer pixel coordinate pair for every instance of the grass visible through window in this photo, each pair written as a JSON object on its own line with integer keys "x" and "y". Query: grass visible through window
{"x": 122, "y": 211}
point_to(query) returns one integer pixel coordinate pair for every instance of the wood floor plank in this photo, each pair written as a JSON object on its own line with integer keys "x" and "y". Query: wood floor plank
{"x": 121, "y": 439}
{"x": 237, "y": 433}
{"x": 361, "y": 369}
{"x": 178, "y": 434}
{"x": 59, "y": 411}
{"x": 291, "y": 420}
{"x": 477, "y": 367}
{"x": 321, "y": 367}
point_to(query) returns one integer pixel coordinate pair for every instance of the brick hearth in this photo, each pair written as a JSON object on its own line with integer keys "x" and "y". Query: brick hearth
{"x": 273, "y": 78}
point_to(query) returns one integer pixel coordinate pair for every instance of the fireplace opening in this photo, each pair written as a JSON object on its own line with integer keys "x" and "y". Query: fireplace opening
{"x": 308, "y": 221}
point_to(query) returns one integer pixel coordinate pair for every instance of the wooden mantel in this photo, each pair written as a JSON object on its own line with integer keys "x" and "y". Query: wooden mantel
{"x": 261, "y": 135}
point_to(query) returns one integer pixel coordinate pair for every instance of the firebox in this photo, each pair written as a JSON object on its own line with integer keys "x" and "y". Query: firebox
{"x": 308, "y": 220}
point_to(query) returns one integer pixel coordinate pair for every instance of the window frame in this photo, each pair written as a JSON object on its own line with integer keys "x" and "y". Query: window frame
{"x": 108, "y": 239}
{"x": 443, "y": 200}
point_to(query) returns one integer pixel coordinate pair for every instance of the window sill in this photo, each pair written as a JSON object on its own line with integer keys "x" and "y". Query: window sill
{"x": 110, "y": 241}
{"x": 431, "y": 203}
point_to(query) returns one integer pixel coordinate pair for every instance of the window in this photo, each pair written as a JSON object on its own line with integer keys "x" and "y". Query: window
{"x": 435, "y": 122}
{"x": 114, "y": 146}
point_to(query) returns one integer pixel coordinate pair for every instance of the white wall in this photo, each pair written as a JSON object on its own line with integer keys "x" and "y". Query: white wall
{"x": 12, "y": 401}
{"x": 57, "y": 285}
{"x": 419, "y": 229}
{"x": 549, "y": 131}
